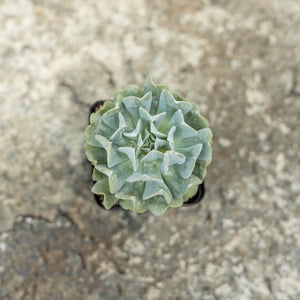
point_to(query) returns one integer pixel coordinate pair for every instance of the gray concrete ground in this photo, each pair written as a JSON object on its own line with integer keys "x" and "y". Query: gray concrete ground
{"x": 239, "y": 60}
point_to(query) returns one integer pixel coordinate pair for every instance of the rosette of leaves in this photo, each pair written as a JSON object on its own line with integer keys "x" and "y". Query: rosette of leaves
{"x": 149, "y": 148}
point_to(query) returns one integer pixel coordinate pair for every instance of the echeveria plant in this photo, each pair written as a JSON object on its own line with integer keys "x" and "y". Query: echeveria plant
{"x": 149, "y": 148}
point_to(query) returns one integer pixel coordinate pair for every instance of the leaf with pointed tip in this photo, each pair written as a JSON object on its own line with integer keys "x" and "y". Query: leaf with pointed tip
{"x": 175, "y": 183}
{"x": 97, "y": 126}
{"x": 90, "y": 133}
{"x": 134, "y": 90}
{"x": 98, "y": 176}
{"x": 95, "y": 117}
{"x": 176, "y": 202}
{"x": 190, "y": 193}
{"x": 166, "y": 102}
{"x": 153, "y": 189}
{"x": 191, "y": 154}
{"x": 134, "y": 205}
{"x": 136, "y": 177}
{"x": 113, "y": 157}
{"x": 130, "y": 152}
{"x": 161, "y": 145}
{"x": 131, "y": 190}
{"x": 106, "y": 107}
{"x": 185, "y": 107}
{"x": 139, "y": 144}
{"x": 176, "y": 119}
{"x": 95, "y": 155}
{"x": 118, "y": 96}
{"x": 185, "y": 130}
{"x": 146, "y": 101}
{"x": 194, "y": 180}
{"x": 117, "y": 136}
{"x": 117, "y": 176}
{"x": 154, "y": 155}
{"x": 156, "y": 90}
{"x": 111, "y": 118}
{"x": 178, "y": 97}
{"x": 157, "y": 205}
{"x": 131, "y": 90}
{"x": 185, "y": 142}
{"x": 144, "y": 114}
{"x": 154, "y": 131}
{"x": 149, "y": 86}
{"x": 187, "y": 169}
{"x": 170, "y": 138}
{"x": 205, "y": 135}
{"x": 193, "y": 183}
{"x": 200, "y": 169}
{"x": 146, "y": 172}
{"x": 135, "y": 132}
{"x": 195, "y": 120}
{"x": 173, "y": 157}
{"x": 132, "y": 104}
{"x": 205, "y": 153}
{"x": 128, "y": 204}
{"x": 130, "y": 196}
{"x": 146, "y": 135}
{"x": 100, "y": 188}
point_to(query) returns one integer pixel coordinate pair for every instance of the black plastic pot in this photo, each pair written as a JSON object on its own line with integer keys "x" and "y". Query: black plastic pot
{"x": 99, "y": 198}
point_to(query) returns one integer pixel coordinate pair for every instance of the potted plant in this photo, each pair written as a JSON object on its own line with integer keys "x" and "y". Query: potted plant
{"x": 149, "y": 149}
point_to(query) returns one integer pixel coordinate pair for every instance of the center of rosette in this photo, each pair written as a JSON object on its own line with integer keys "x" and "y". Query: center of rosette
{"x": 150, "y": 142}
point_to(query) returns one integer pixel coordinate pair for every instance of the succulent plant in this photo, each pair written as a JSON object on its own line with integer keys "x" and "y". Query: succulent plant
{"x": 149, "y": 148}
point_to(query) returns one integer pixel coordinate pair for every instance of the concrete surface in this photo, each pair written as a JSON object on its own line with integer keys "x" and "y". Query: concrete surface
{"x": 239, "y": 60}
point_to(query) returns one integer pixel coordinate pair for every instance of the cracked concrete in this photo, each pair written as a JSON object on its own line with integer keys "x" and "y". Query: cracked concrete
{"x": 239, "y": 60}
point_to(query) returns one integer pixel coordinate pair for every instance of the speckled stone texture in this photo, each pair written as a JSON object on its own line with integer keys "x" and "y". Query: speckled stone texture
{"x": 239, "y": 60}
